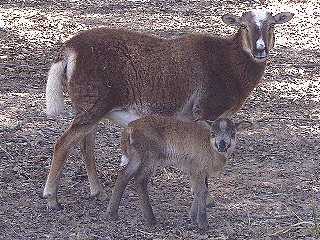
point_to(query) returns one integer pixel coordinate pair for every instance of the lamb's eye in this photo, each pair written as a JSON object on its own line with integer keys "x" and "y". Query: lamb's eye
{"x": 271, "y": 26}
{"x": 243, "y": 26}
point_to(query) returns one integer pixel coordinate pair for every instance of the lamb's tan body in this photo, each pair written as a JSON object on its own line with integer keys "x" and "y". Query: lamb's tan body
{"x": 167, "y": 141}
{"x": 124, "y": 75}
{"x": 156, "y": 141}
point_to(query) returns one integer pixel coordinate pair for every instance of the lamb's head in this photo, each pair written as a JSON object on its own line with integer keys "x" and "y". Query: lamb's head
{"x": 257, "y": 30}
{"x": 223, "y": 134}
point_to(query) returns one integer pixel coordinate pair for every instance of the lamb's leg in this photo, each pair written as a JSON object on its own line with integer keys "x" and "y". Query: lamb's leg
{"x": 198, "y": 212}
{"x": 210, "y": 201}
{"x": 122, "y": 181}
{"x": 194, "y": 210}
{"x": 87, "y": 149}
{"x": 202, "y": 210}
{"x": 194, "y": 207}
{"x": 141, "y": 182}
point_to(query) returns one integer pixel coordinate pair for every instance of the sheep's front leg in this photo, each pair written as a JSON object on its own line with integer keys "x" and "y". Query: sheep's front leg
{"x": 141, "y": 183}
{"x": 198, "y": 212}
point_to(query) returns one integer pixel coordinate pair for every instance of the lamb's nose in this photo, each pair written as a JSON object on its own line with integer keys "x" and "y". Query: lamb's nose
{"x": 222, "y": 147}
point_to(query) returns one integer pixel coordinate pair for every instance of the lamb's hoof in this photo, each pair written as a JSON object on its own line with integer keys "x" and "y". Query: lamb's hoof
{"x": 151, "y": 222}
{"x": 193, "y": 218}
{"x": 210, "y": 204}
{"x": 203, "y": 225}
{"x": 112, "y": 216}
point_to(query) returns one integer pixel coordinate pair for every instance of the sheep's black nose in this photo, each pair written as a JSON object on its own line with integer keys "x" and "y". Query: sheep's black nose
{"x": 261, "y": 50}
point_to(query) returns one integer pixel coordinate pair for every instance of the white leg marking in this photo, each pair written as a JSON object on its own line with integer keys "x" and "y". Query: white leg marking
{"x": 46, "y": 191}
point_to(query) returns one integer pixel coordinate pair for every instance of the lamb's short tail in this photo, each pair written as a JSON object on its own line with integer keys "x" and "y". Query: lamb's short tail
{"x": 54, "y": 89}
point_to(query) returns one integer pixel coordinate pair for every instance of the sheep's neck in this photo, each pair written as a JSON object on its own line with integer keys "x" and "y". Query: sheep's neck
{"x": 249, "y": 72}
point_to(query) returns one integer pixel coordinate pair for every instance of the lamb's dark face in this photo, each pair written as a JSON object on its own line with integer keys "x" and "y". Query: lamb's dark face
{"x": 257, "y": 29}
{"x": 223, "y": 133}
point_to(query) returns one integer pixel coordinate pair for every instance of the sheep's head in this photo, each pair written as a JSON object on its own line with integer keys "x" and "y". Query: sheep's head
{"x": 257, "y": 29}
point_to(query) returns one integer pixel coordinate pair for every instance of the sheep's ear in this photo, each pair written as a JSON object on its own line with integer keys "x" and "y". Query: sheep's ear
{"x": 231, "y": 19}
{"x": 243, "y": 125}
{"x": 283, "y": 17}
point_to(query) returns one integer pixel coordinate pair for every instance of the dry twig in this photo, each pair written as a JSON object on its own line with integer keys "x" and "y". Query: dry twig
{"x": 287, "y": 229}
{"x": 287, "y": 118}
{"x": 8, "y": 155}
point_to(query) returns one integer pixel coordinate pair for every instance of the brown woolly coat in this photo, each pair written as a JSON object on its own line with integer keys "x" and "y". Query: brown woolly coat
{"x": 192, "y": 77}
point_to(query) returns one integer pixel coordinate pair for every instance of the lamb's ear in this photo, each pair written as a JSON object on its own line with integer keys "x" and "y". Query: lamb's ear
{"x": 231, "y": 19}
{"x": 240, "y": 126}
{"x": 283, "y": 17}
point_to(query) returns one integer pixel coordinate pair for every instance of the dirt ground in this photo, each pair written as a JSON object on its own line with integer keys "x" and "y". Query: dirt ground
{"x": 271, "y": 187}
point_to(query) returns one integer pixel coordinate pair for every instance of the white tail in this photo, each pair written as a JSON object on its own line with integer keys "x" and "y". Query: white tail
{"x": 54, "y": 89}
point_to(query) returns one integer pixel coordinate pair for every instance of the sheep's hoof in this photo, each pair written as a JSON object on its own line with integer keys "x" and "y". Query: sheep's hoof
{"x": 54, "y": 207}
{"x": 52, "y": 203}
{"x": 100, "y": 196}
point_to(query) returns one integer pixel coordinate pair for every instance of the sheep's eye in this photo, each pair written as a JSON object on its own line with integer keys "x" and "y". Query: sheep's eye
{"x": 271, "y": 26}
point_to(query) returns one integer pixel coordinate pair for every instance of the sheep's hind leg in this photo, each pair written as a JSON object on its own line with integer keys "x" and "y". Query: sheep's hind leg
{"x": 64, "y": 144}
{"x": 87, "y": 149}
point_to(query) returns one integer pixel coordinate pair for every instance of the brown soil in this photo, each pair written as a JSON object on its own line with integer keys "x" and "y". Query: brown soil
{"x": 271, "y": 187}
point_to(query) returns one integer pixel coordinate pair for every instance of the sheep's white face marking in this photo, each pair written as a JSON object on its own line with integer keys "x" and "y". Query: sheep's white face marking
{"x": 259, "y": 35}
{"x": 260, "y": 43}
{"x": 261, "y": 47}
{"x": 259, "y": 16}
